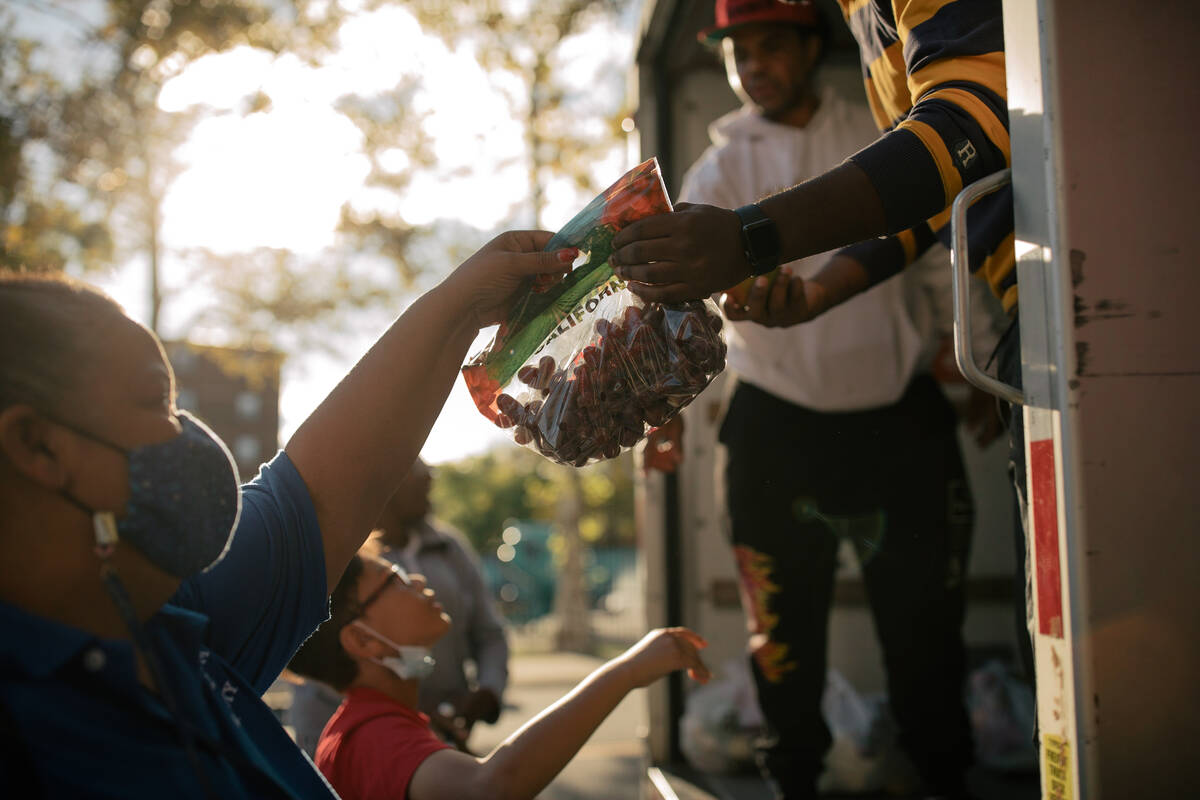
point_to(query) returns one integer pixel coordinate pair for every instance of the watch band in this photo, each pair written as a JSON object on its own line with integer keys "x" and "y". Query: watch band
{"x": 760, "y": 239}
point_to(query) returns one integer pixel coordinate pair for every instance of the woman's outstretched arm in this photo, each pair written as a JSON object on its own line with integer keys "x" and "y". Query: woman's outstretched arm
{"x": 362, "y": 439}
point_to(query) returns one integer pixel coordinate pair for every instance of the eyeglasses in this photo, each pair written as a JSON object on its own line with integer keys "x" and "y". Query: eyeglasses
{"x": 396, "y": 573}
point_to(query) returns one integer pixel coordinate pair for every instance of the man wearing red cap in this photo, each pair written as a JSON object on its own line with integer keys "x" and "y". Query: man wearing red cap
{"x": 935, "y": 80}
{"x": 834, "y": 430}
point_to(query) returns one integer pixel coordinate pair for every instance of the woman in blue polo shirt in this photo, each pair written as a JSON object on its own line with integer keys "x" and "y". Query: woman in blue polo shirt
{"x": 146, "y": 601}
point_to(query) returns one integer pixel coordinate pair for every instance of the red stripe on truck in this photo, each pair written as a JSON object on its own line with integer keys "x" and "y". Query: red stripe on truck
{"x": 1047, "y": 568}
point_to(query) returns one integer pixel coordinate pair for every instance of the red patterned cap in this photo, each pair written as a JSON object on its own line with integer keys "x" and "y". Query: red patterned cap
{"x": 732, "y": 14}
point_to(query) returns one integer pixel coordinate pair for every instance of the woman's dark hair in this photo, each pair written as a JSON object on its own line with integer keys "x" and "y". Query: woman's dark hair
{"x": 50, "y": 327}
{"x": 321, "y": 657}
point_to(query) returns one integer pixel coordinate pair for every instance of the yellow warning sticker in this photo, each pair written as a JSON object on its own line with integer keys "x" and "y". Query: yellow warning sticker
{"x": 1056, "y": 767}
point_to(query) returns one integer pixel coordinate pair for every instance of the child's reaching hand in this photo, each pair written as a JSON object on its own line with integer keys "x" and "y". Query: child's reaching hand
{"x": 661, "y": 652}
{"x": 530, "y": 758}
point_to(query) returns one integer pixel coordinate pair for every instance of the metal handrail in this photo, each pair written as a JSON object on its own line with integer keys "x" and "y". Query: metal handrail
{"x": 960, "y": 274}
{"x": 660, "y": 783}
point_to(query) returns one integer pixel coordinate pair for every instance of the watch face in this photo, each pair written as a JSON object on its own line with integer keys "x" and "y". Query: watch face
{"x": 762, "y": 243}
{"x": 760, "y": 239}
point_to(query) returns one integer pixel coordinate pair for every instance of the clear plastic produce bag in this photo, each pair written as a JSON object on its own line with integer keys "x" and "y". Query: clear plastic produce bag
{"x": 581, "y": 369}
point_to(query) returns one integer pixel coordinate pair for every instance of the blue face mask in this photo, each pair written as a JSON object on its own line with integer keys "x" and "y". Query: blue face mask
{"x": 184, "y": 500}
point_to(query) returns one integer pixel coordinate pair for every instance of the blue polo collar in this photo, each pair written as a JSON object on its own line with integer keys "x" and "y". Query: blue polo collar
{"x": 37, "y": 647}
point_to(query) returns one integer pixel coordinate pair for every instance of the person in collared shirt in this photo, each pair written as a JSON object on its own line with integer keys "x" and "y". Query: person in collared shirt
{"x": 146, "y": 601}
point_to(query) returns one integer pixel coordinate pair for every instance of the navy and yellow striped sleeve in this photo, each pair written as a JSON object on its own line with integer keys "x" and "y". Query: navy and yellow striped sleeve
{"x": 935, "y": 80}
{"x": 888, "y": 255}
{"x": 948, "y": 120}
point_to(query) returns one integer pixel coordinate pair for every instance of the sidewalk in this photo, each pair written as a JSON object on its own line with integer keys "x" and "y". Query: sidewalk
{"x": 609, "y": 767}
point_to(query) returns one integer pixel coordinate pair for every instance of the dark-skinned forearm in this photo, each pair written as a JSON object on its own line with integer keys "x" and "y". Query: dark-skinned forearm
{"x": 832, "y": 210}
{"x": 840, "y": 279}
{"x": 362, "y": 439}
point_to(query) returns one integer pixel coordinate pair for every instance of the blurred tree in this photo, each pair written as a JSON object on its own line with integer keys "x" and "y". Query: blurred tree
{"x": 87, "y": 154}
{"x": 258, "y": 292}
{"x": 105, "y": 145}
{"x": 570, "y": 596}
{"x": 395, "y": 143}
{"x": 261, "y": 292}
{"x": 479, "y": 495}
{"x": 39, "y": 231}
{"x": 525, "y": 46}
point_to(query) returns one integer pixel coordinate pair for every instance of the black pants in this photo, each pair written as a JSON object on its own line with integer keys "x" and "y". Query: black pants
{"x": 892, "y": 480}
{"x": 1008, "y": 370}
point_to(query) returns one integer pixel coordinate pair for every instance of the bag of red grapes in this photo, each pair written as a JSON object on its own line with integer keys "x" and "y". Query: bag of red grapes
{"x": 582, "y": 369}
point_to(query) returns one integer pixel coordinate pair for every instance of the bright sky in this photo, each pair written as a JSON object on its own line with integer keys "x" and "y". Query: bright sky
{"x": 276, "y": 206}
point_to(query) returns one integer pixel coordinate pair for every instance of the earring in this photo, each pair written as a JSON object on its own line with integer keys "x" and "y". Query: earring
{"x": 105, "y": 525}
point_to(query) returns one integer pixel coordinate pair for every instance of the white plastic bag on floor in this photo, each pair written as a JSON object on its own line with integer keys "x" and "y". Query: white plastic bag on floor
{"x": 865, "y": 755}
{"x": 1001, "y": 709}
{"x": 721, "y": 721}
{"x": 847, "y": 713}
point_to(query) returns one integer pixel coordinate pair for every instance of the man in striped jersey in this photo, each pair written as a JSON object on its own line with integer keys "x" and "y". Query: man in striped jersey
{"x": 835, "y": 429}
{"x": 934, "y": 73}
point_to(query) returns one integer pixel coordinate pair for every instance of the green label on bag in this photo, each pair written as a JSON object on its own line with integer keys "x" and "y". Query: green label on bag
{"x": 545, "y": 312}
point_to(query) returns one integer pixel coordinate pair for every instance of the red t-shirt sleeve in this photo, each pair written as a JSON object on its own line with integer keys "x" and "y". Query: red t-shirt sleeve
{"x": 377, "y": 759}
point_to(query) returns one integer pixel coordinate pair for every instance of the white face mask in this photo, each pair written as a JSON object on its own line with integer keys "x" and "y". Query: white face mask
{"x": 410, "y": 662}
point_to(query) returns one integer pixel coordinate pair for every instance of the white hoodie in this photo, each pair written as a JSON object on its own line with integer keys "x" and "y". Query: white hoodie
{"x": 861, "y": 354}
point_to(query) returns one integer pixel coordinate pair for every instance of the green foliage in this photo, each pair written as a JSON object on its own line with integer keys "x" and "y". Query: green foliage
{"x": 93, "y": 128}
{"x": 479, "y": 495}
{"x": 87, "y": 155}
{"x": 39, "y": 231}
{"x": 388, "y": 125}
{"x": 566, "y": 130}
{"x": 268, "y": 289}
{"x": 103, "y": 152}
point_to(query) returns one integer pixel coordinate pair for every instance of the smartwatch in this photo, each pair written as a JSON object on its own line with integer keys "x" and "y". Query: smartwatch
{"x": 760, "y": 239}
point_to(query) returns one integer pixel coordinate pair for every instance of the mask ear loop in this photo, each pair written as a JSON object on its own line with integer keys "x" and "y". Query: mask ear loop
{"x": 106, "y": 543}
{"x": 403, "y": 652}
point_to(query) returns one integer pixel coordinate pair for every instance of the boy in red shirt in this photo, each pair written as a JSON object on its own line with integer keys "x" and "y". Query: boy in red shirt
{"x": 375, "y": 649}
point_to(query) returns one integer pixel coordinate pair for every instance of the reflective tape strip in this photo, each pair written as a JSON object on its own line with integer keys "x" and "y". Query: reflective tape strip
{"x": 1048, "y": 566}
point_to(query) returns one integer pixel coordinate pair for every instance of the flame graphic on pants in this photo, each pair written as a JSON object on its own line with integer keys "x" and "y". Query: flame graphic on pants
{"x": 754, "y": 569}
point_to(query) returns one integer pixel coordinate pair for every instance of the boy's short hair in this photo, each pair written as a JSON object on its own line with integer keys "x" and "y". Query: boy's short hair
{"x": 321, "y": 657}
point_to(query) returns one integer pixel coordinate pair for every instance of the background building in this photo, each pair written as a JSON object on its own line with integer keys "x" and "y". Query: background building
{"x": 236, "y": 392}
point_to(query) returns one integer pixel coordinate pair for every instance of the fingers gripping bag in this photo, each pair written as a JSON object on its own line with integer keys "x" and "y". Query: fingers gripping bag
{"x": 581, "y": 368}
